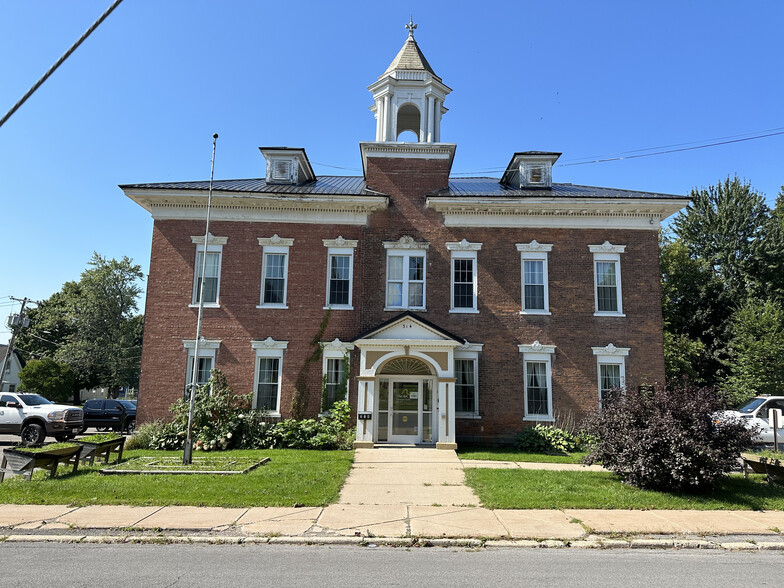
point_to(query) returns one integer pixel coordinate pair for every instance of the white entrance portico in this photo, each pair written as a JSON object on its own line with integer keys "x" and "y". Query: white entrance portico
{"x": 406, "y": 391}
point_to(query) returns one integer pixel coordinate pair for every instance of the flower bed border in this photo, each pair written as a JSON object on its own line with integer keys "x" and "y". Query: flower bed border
{"x": 112, "y": 471}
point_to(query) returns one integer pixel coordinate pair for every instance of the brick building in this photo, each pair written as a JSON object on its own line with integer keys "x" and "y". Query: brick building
{"x": 447, "y": 309}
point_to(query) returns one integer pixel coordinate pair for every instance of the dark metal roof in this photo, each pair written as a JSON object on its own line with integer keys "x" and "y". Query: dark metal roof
{"x": 356, "y": 186}
{"x": 491, "y": 187}
{"x": 348, "y": 185}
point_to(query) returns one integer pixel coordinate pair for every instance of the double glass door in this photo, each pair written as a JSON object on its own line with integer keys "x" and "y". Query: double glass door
{"x": 405, "y": 410}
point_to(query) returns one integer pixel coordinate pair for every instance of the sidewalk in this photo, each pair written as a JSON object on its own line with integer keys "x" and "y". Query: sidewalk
{"x": 400, "y": 496}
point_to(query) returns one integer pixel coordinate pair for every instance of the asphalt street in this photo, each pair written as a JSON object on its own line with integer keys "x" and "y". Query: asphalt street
{"x": 72, "y": 565}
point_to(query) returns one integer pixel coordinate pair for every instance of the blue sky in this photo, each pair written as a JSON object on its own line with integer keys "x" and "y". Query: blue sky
{"x": 140, "y": 100}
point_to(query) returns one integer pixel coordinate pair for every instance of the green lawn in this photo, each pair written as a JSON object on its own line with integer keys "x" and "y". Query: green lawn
{"x": 511, "y": 454}
{"x": 307, "y": 478}
{"x": 534, "y": 489}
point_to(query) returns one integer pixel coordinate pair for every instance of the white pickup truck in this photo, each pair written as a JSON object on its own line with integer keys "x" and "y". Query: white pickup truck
{"x": 34, "y": 418}
{"x": 759, "y": 412}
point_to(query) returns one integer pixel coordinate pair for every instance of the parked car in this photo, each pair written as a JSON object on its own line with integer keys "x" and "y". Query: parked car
{"x": 757, "y": 412}
{"x": 33, "y": 417}
{"x": 117, "y": 415}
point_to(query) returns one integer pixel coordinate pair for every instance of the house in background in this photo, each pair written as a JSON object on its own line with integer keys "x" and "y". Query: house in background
{"x": 10, "y": 380}
{"x": 447, "y": 309}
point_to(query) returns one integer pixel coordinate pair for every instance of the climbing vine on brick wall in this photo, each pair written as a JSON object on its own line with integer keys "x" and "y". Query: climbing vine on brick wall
{"x": 299, "y": 401}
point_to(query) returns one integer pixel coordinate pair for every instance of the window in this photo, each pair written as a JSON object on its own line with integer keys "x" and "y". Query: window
{"x": 535, "y": 291}
{"x": 207, "y": 352}
{"x": 465, "y": 386}
{"x": 340, "y": 272}
{"x": 405, "y": 273}
{"x": 464, "y": 282}
{"x": 274, "y": 271}
{"x": 537, "y": 381}
{"x": 267, "y": 385}
{"x": 607, "y": 279}
{"x": 610, "y": 369}
{"x": 12, "y": 387}
{"x": 334, "y": 372}
{"x": 211, "y": 272}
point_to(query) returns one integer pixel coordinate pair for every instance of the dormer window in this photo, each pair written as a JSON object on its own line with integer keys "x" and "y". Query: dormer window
{"x": 535, "y": 174}
{"x": 287, "y": 165}
{"x": 530, "y": 169}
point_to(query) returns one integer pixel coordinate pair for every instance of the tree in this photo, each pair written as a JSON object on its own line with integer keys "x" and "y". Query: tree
{"x": 50, "y": 379}
{"x": 91, "y": 325}
{"x": 755, "y": 351}
{"x": 727, "y": 247}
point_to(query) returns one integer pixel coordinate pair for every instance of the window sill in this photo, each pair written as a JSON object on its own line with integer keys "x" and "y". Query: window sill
{"x": 468, "y": 415}
{"x": 463, "y": 311}
{"x": 271, "y": 306}
{"x": 271, "y": 414}
{"x": 399, "y": 308}
{"x": 206, "y": 305}
{"x": 338, "y": 307}
{"x": 539, "y": 419}
{"x": 617, "y": 314}
{"x": 536, "y": 312}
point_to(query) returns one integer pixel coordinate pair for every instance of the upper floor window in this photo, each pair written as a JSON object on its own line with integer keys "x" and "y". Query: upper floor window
{"x": 610, "y": 369}
{"x": 535, "y": 290}
{"x": 340, "y": 272}
{"x": 406, "y": 272}
{"x": 274, "y": 271}
{"x": 208, "y": 273}
{"x": 464, "y": 285}
{"x": 537, "y": 381}
{"x": 607, "y": 279}
{"x": 268, "y": 377}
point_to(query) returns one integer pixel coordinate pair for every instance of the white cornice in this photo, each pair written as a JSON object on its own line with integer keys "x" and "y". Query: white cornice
{"x": 213, "y": 240}
{"x": 258, "y": 207}
{"x": 276, "y": 241}
{"x": 606, "y": 247}
{"x": 412, "y": 343}
{"x": 470, "y": 347}
{"x": 402, "y": 150}
{"x": 336, "y": 345}
{"x": 577, "y": 213}
{"x": 269, "y": 343}
{"x": 204, "y": 344}
{"x": 611, "y": 349}
{"x": 534, "y": 246}
{"x": 340, "y": 243}
{"x": 406, "y": 242}
{"x": 536, "y": 347}
{"x": 463, "y": 245}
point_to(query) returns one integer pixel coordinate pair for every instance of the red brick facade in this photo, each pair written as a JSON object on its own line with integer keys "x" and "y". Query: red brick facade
{"x": 571, "y": 327}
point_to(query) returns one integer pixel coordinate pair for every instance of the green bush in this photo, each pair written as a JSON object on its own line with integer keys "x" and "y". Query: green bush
{"x": 142, "y": 436}
{"x": 546, "y": 439}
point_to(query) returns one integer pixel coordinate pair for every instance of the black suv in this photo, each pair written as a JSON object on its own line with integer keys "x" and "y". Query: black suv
{"x": 117, "y": 415}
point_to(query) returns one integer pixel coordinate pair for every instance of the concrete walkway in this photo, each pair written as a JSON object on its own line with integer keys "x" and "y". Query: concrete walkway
{"x": 401, "y": 495}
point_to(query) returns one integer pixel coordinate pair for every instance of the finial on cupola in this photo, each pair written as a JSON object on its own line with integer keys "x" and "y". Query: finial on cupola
{"x": 411, "y": 26}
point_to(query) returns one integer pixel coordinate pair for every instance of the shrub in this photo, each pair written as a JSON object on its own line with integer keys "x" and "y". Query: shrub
{"x": 544, "y": 439}
{"x": 142, "y": 436}
{"x": 667, "y": 439}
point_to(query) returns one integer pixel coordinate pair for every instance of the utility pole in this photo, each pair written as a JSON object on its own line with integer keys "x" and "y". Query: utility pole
{"x": 10, "y": 349}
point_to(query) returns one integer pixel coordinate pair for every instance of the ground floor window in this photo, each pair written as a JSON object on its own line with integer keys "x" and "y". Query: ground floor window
{"x": 269, "y": 376}
{"x": 537, "y": 381}
{"x": 610, "y": 369}
{"x": 206, "y": 363}
{"x": 465, "y": 386}
{"x": 335, "y": 382}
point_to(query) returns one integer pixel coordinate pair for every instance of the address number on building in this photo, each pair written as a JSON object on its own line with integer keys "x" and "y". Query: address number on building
{"x": 364, "y": 416}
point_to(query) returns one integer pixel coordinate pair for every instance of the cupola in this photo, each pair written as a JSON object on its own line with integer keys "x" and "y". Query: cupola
{"x": 409, "y": 96}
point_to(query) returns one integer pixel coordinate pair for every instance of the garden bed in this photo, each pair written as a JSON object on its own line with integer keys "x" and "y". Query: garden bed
{"x": 101, "y": 445}
{"x": 771, "y": 467}
{"x": 22, "y": 461}
{"x": 222, "y": 466}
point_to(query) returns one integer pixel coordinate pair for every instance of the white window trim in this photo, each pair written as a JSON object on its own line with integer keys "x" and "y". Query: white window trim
{"x": 341, "y": 246}
{"x": 214, "y": 245}
{"x": 335, "y": 349}
{"x": 535, "y": 251}
{"x": 463, "y": 250}
{"x": 609, "y": 355}
{"x": 607, "y": 252}
{"x": 268, "y": 348}
{"x": 406, "y": 247}
{"x": 207, "y": 348}
{"x": 539, "y": 353}
{"x": 470, "y": 351}
{"x": 275, "y": 245}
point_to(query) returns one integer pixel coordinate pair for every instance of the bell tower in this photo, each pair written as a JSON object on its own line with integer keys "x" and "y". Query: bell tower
{"x": 409, "y": 96}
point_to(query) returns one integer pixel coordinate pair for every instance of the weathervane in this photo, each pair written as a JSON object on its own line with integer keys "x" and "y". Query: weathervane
{"x": 411, "y": 26}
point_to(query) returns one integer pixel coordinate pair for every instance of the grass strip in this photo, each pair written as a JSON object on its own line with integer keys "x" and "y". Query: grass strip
{"x": 510, "y": 454}
{"x": 292, "y": 477}
{"x": 539, "y": 489}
